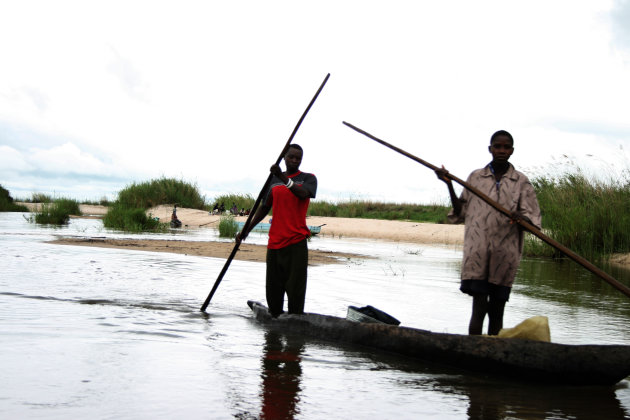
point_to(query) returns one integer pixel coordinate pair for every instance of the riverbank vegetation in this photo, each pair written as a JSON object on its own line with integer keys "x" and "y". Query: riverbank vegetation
{"x": 432, "y": 213}
{"x": 51, "y": 212}
{"x": 57, "y": 212}
{"x": 7, "y": 203}
{"x": 128, "y": 211}
{"x": 428, "y": 213}
{"x": 227, "y": 226}
{"x": 131, "y": 219}
{"x": 241, "y": 201}
{"x": 590, "y": 217}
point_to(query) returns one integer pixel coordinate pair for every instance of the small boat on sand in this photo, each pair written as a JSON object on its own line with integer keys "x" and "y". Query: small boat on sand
{"x": 528, "y": 360}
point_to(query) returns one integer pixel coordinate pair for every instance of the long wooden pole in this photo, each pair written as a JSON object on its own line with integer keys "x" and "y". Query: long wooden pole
{"x": 528, "y": 226}
{"x": 260, "y": 197}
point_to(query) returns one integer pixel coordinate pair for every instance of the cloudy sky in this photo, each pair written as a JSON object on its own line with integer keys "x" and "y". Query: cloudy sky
{"x": 97, "y": 95}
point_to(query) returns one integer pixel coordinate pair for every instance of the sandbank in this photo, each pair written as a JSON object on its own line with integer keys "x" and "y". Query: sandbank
{"x": 339, "y": 227}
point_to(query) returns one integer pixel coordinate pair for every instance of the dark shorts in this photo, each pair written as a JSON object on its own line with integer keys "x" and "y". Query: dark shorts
{"x": 286, "y": 274}
{"x": 483, "y": 287}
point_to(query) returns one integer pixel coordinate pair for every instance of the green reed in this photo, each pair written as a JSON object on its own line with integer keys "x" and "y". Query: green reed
{"x": 131, "y": 219}
{"x": 590, "y": 217}
{"x": 41, "y": 198}
{"x": 128, "y": 212}
{"x": 227, "y": 226}
{"x": 161, "y": 191}
{"x": 58, "y": 212}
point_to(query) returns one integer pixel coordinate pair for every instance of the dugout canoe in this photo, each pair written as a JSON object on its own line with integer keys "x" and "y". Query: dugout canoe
{"x": 264, "y": 228}
{"x": 526, "y": 360}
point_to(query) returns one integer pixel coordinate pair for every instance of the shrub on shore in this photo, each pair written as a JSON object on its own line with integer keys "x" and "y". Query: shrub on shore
{"x": 36, "y": 198}
{"x": 58, "y": 212}
{"x": 161, "y": 191}
{"x": 128, "y": 212}
{"x": 7, "y": 204}
{"x": 130, "y": 219}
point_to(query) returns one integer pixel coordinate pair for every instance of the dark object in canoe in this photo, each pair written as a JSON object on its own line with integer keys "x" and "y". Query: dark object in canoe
{"x": 521, "y": 359}
{"x": 370, "y": 314}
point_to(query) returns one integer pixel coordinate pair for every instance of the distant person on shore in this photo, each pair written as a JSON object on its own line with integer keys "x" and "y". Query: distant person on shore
{"x": 493, "y": 243}
{"x": 215, "y": 209}
{"x": 222, "y": 208}
{"x": 175, "y": 222}
{"x": 234, "y": 209}
{"x": 289, "y": 195}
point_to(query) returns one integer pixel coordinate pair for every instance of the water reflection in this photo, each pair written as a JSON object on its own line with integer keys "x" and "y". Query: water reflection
{"x": 498, "y": 400}
{"x": 566, "y": 282}
{"x": 492, "y": 397}
{"x": 281, "y": 375}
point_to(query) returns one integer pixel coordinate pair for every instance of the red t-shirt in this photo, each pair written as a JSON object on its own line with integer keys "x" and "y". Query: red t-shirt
{"x": 288, "y": 224}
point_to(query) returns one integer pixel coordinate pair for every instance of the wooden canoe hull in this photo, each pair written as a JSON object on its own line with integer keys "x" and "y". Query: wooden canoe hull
{"x": 523, "y": 359}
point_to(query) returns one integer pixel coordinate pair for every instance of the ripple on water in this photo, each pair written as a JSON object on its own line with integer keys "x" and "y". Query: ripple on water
{"x": 113, "y": 333}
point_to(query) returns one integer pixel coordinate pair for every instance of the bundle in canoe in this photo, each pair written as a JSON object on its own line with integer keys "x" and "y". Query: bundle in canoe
{"x": 264, "y": 228}
{"x": 521, "y": 359}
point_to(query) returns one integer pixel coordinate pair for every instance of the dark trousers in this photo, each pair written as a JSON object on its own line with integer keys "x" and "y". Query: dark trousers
{"x": 286, "y": 273}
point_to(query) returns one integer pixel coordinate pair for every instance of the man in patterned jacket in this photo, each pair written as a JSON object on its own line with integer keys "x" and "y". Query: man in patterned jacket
{"x": 493, "y": 243}
{"x": 288, "y": 196}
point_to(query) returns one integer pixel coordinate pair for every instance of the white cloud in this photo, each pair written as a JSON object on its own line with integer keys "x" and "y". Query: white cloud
{"x": 12, "y": 161}
{"x": 67, "y": 158}
{"x": 620, "y": 19}
{"x": 210, "y": 91}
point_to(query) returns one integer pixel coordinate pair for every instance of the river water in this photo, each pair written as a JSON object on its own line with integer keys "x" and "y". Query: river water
{"x": 117, "y": 334}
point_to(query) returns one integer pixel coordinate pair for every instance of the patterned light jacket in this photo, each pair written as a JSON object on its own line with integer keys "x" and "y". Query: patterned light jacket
{"x": 492, "y": 245}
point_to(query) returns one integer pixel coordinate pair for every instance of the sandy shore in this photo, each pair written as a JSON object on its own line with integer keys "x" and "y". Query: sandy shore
{"x": 339, "y": 227}
{"x": 397, "y": 231}
{"x": 412, "y": 232}
{"x": 246, "y": 252}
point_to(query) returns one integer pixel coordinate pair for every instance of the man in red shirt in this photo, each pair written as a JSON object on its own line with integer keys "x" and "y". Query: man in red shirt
{"x": 288, "y": 196}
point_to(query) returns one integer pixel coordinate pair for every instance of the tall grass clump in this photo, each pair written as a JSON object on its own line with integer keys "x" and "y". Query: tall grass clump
{"x": 41, "y": 198}
{"x": 128, "y": 212}
{"x": 227, "y": 226}
{"x": 130, "y": 219}
{"x": 161, "y": 191}
{"x": 592, "y": 218}
{"x": 7, "y": 204}
{"x": 58, "y": 212}
{"x": 432, "y": 213}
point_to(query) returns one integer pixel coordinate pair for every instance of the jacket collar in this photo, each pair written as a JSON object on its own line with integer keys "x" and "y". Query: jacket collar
{"x": 511, "y": 172}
